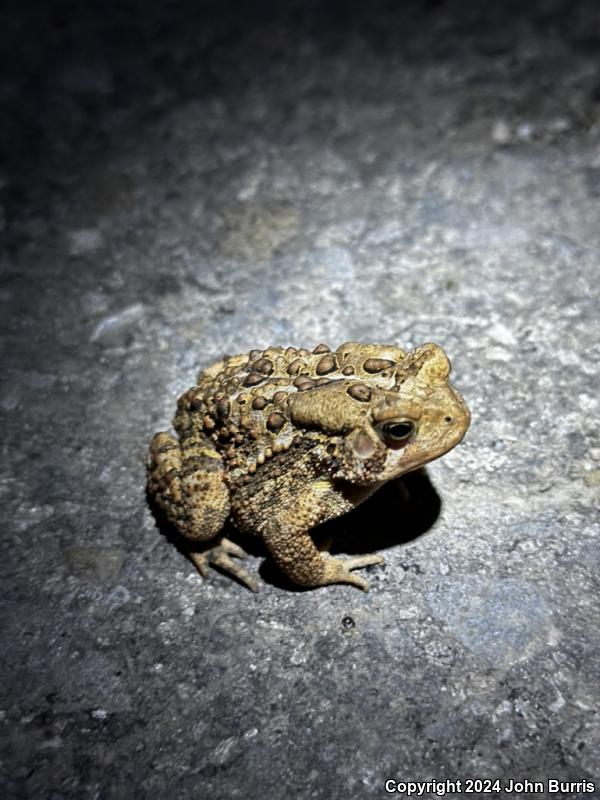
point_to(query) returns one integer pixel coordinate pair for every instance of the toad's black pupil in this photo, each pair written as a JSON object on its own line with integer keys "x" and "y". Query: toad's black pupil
{"x": 399, "y": 430}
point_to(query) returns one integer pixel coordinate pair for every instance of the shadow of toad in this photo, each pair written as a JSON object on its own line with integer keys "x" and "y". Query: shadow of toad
{"x": 399, "y": 512}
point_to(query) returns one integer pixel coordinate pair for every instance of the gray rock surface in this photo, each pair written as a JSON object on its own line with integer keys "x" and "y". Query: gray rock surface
{"x": 188, "y": 179}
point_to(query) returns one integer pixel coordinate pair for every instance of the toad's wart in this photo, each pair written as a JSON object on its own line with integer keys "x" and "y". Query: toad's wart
{"x": 280, "y": 440}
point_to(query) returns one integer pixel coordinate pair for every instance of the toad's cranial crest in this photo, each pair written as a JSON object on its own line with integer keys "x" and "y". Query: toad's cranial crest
{"x": 283, "y": 439}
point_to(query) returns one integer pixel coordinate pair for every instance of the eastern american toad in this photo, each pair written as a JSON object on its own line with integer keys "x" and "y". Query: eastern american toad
{"x": 281, "y": 440}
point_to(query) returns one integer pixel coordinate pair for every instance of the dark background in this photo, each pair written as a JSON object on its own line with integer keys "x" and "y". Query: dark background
{"x": 181, "y": 180}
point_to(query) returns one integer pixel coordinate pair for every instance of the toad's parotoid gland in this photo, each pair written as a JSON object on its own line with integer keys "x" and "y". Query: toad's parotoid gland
{"x": 281, "y": 440}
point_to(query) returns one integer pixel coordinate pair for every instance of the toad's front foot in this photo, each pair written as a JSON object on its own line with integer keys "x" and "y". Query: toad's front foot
{"x": 338, "y": 570}
{"x": 219, "y": 556}
{"x": 296, "y": 555}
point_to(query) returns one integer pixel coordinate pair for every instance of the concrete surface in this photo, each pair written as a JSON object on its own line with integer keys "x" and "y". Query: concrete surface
{"x": 186, "y": 179}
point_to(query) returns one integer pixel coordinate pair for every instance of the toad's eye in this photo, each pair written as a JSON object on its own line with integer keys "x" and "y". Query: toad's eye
{"x": 398, "y": 433}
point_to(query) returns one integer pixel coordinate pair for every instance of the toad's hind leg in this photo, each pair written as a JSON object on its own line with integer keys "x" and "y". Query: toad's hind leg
{"x": 187, "y": 482}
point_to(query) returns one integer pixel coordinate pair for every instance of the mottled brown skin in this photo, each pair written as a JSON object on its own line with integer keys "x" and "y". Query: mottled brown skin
{"x": 281, "y": 440}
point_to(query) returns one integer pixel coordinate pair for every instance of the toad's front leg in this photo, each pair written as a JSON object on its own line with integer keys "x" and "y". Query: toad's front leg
{"x": 297, "y": 556}
{"x": 283, "y": 511}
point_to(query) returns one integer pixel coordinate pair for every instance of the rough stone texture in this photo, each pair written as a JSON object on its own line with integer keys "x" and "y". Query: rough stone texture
{"x": 191, "y": 179}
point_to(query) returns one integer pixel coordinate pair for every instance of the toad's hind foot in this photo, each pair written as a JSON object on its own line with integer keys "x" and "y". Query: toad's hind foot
{"x": 219, "y": 556}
